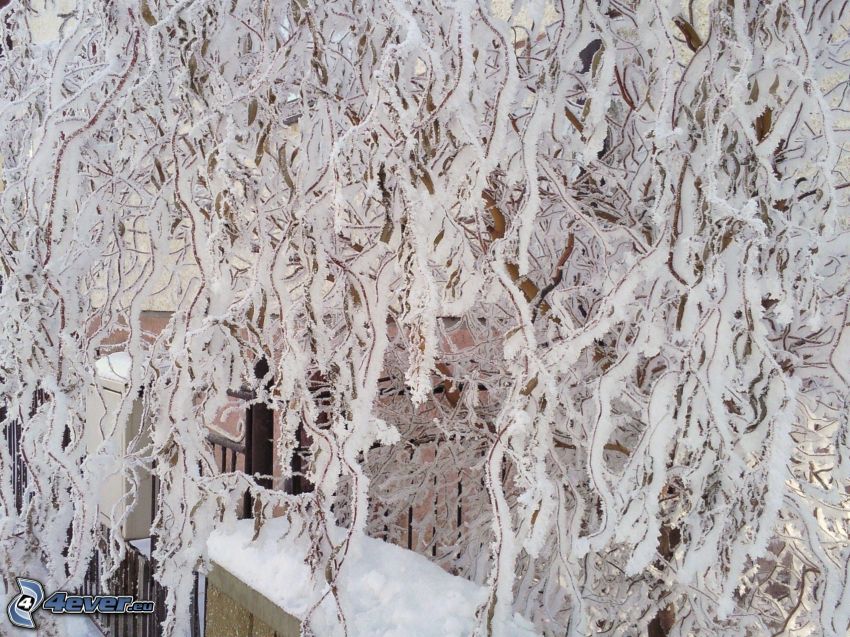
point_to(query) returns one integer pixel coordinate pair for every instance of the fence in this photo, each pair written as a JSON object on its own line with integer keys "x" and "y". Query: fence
{"x": 12, "y": 433}
{"x": 135, "y": 574}
{"x": 19, "y": 467}
{"x": 253, "y": 454}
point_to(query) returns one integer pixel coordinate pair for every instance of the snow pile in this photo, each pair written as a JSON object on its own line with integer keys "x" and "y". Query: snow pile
{"x": 115, "y": 367}
{"x": 78, "y": 626}
{"x": 383, "y": 589}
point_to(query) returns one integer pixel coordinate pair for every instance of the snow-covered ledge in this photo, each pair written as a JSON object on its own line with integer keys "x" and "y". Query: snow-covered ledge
{"x": 383, "y": 589}
{"x": 236, "y": 609}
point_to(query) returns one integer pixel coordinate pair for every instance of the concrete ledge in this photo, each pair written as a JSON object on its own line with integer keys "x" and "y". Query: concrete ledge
{"x": 234, "y": 609}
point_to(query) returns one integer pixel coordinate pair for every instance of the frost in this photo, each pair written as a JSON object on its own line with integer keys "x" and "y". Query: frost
{"x": 386, "y": 590}
{"x": 554, "y": 294}
{"x": 115, "y": 367}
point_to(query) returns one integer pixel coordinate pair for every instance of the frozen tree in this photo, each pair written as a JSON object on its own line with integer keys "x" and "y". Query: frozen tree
{"x": 581, "y": 266}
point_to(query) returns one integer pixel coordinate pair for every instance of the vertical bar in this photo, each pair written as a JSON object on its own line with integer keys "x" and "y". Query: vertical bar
{"x": 110, "y": 619}
{"x": 18, "y": 465}
{"x": 117, "y": 589}
{"x": 262, "y": 444}
{"x": 297, "y": 487}
{"x": 12, "y": 430}
{"x": 23, "y": 470}
{"x": 459, "y": 508}
{"x": 436, "y": 512}
{"x": 194, "y": 607}
{"x": 134, "y": 577}
{"x": 206, "y": 597}
{"x": 262, "y": 437}
{"x": 259, "y": 440}
{"x": 410, "y": 516}
{"x": 85, "y": 587}
{"x": 114, "y": 588}
{"x": 128, "y": 563}
{"x": 154, "y": 497}
{"x": 161, "y": 608}
{"x": 146, "y": 587}
{"x": 247, "y": 505}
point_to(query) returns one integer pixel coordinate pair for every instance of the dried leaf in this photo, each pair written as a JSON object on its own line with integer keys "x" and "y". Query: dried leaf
{"x": 692, "y": 38}
{"x": 147, "y": 14}
{"x": 763, "y": 124}
{"x": 426, "y": 179}
{"x": 387, "y": 231}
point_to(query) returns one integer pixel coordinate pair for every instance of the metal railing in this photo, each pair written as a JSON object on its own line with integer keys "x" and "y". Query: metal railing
{"x": 135, "y": 575}
{"x": 12, "y": 432}
{"x": 19, "y": 467}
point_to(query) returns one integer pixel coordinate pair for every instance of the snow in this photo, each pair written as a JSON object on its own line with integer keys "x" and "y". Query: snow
{"x": 115, "y": 367}
{"x": 383, "y": 589}
{"x": 444, "y": 155}
{"x": 77, "y": 626}
{"x": 143, "y": 545}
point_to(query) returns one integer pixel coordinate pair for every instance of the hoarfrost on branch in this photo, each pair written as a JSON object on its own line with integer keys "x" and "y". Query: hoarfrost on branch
{"x": 583, "y": 265}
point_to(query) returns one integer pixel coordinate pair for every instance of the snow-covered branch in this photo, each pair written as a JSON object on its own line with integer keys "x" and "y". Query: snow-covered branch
{"x": 569, "y": 279}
